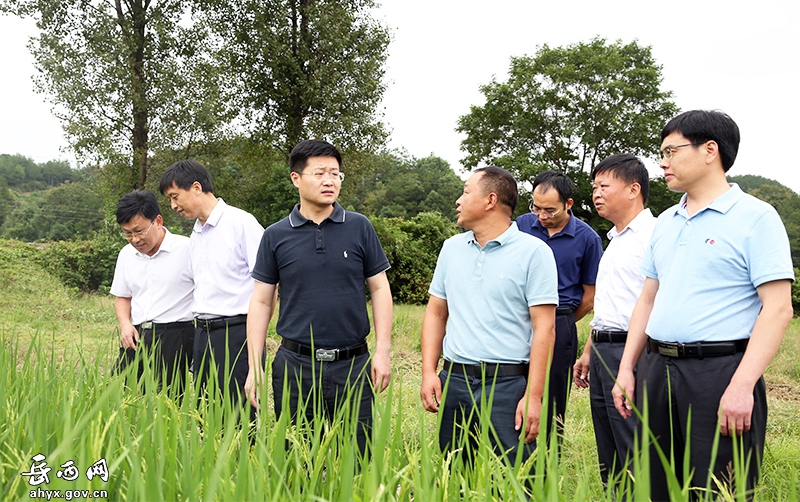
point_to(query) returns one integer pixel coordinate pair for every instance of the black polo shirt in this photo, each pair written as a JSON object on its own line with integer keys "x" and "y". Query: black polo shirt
{"x": 322, "y": 271}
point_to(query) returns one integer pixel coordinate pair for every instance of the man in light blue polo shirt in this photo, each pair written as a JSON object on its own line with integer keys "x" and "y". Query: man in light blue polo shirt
{"x": 492, "y": 314}
{"x": 715, "y": 306}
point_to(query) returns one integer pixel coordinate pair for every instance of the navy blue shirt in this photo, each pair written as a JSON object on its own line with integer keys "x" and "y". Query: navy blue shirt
{"x": 577, "y": 249}
{"x": 322, "y": 271}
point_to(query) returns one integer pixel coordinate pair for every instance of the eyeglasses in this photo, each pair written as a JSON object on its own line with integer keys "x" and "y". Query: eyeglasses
{"x": 139, "y": 234}
{"x": 322, "y": 175}
{"x": 669, "y": 151}
{"x": 544, "y": 212}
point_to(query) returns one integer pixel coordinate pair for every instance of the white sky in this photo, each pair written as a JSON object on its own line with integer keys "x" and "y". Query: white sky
{"x": 737, "y": 56}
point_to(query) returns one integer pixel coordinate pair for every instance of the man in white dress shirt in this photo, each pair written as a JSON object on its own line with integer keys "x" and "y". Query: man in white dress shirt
{"x": 620, "y": 189}
{"x": 222, "y": 253}
{"x": 153, "y": 286}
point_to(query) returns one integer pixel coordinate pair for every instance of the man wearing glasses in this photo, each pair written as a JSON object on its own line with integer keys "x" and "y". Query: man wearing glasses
{"x": 153, "y": 286}
{"x": 577, "y": 249}
{"x": 322, "y": 256}
{"x": 222, "y": 252}
{"x": 715, "y": 306}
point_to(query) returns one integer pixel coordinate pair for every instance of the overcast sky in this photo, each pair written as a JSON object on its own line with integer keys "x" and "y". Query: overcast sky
{"x": 736, "y": 56}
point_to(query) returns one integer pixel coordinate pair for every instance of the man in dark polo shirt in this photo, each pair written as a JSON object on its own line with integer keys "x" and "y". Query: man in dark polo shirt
{"x": 322, "y": 256}
{"x": 577, "y": 249}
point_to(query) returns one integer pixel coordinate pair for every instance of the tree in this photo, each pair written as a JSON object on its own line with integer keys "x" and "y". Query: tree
{"x": 5, "y": 196}
{"x": 402, "y": 186}
{"x": 126, "y": 77}
{"x": 566, "y": 109}
{"x": 304, "y": 68}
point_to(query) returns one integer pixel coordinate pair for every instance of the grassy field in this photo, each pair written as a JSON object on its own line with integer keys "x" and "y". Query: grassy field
{"x": 60, "y": 401}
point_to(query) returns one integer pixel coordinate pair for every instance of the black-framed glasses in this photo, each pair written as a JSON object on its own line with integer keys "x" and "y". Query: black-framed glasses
{"x": 323, "y": 175}
{"x": 139, "y": 234}
{"x": 669, "y": 151}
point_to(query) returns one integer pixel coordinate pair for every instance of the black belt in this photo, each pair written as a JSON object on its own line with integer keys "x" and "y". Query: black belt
{"x": 697, "y": 349}
{"x": 163, "y": 325}
{"x": 564, "y": 311}
{"x": 220, "y": 322}
{"x": 486, "y": 369}
{"x": 600, "y": 335}
{"x": 325, "y": 354}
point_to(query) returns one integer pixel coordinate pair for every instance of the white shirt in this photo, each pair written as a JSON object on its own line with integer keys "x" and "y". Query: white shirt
{"x": 619, "y": 281}
{"x": 159, "y": 286}
{"x": 222, "y": 256}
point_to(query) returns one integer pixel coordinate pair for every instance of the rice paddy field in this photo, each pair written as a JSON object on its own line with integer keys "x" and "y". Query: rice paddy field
{"x": 70, "y": 430}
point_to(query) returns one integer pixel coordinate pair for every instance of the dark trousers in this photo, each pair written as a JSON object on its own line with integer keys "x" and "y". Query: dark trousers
{"x": 170, "y": 350}
{"x": 565, "y": 352}
{"x": 614, "y": 435}
{"x": 228, "y": 347}
{"x": 461, "y": 410}
{"x": 676, "y": 386}
{"x": 322, "y": 387}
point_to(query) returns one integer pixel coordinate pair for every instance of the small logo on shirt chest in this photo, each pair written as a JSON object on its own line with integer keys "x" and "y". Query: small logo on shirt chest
{"x": 710, "y": 241}
{"x": 345, "y": 254}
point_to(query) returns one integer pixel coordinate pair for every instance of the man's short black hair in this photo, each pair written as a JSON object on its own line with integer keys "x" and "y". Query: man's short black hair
{"x": 141, "y": 202}
{"x": 628, "y": 168}
{"x": 298, "y": 159}
{"x": 500, "y": 182}
{"x": 183, "y": 174}
{"x": 551, "y": 179}
{"x": 699, "y": 126}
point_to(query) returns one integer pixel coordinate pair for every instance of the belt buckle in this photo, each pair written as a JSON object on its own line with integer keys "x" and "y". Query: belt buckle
{"x": 147, "y": 325}
{"x": 326, "y": 354}
{"x": 670, "y": 350}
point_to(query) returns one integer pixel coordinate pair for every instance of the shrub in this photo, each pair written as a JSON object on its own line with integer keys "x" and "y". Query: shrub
{"x": 86, "y": 265}
{"x": 412, "y": 247}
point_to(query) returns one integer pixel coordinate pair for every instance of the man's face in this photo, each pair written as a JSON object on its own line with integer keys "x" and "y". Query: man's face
{"x": 611, "y": 195}
{"x": 319, "y": 183}
{"x": 470, "y": 206}
{"x": 547, "y": 206}
{"x": 143, "y": 234}
{"x": 687, "y": 164}
{"x": 184, "y": 202}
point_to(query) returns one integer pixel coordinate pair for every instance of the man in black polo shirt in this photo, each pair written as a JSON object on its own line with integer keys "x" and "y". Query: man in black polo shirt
{"x": 322, "y": 256}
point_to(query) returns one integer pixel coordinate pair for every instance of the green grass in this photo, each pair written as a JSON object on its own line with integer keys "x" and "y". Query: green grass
{"x": 58, "y": 398}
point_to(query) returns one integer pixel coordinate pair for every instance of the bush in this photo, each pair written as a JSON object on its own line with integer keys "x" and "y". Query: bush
{"x": 412, "y": 247}
{"x": 86, "y": 265}
{"x": 796, "y": 292}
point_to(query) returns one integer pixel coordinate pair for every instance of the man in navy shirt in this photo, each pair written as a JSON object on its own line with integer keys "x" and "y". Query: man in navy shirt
{"x": 577, "y": 250}
{"x": 322, "y": 256}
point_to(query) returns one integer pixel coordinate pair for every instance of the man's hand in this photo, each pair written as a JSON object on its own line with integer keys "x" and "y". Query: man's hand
{"x": 735, "y": 410}
{"x": 529, "y": 411}
{"x": 431, "y": 392}
{"x": 128, "y": 336}
{"x": 580, "y": 372}
{"x": 625, "y": 386}
{"x": 252, "y": 387}
{"x": 381, "y": 370}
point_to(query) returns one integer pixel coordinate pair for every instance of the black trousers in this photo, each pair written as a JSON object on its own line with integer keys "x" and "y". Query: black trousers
{"x": 613, "y": 434}
{"x": 461, "y": 406}
{"x": 565, "y": 352}
{"x": 676, "y": 386}
{"x": 228, "y": 346}
{"x": 170, "y": 350}
{"x": 322, "y": 388}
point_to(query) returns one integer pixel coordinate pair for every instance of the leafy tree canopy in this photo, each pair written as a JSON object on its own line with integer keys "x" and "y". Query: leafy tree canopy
{"x": 304, "y": 68}
{"x": 125, "y": 78}
{"x": 566, "y": 109}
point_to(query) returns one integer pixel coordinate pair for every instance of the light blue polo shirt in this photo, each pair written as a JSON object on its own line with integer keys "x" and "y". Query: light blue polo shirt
{"x": 709, "y": 265}
{"x": 489, "y": 291}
